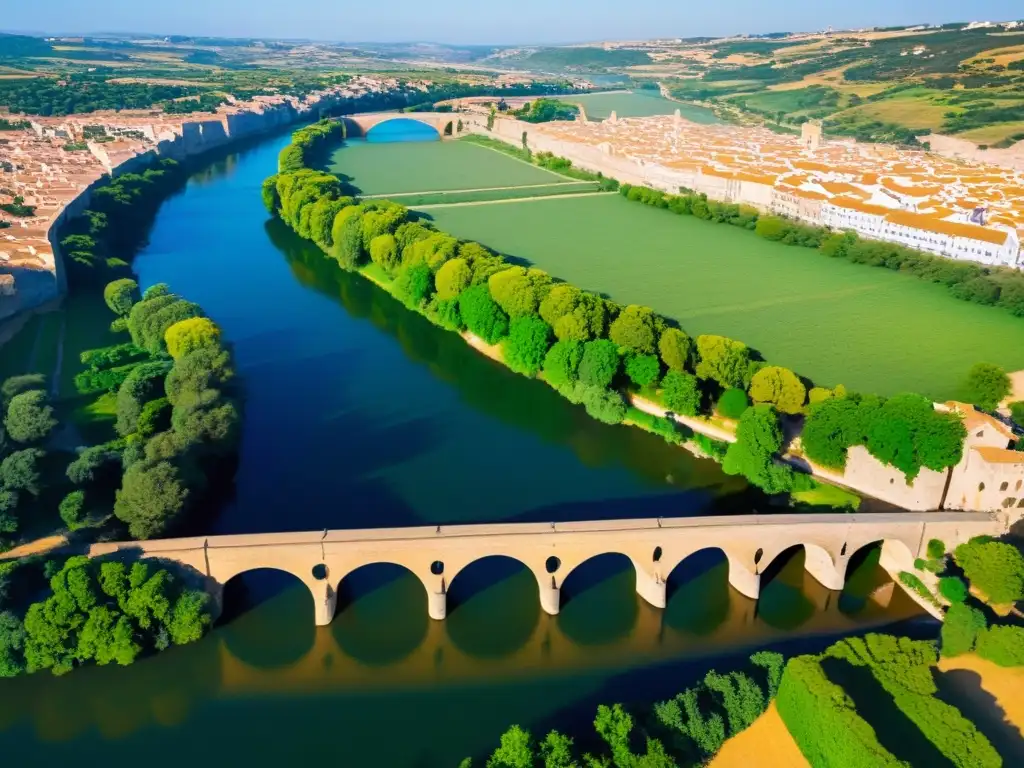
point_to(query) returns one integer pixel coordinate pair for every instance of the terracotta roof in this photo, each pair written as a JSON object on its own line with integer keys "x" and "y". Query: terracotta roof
{"x": 999, "y": 455}
{"x": 860, "y": 205}
{"x": 951, "y": 228}
{"x": 974, "y": 418}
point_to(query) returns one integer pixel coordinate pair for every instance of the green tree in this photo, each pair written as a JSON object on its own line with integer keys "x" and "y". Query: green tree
{"x": 605, "y": 405}
{"x": 953, "y": 589}
{"x": 516, "y": 750}
{"x": 30, "y": 417}
{"x": 528, "y": 341}
{"x": 634, "y": 330}
{"x": 681, "y": 393}
{"x": 348, "y": 239}
{"x": 1017, "y": 412}
{"x": 19, "y": 471}
{"x": 414, "y": 284}
{"x": 758, "y": 439}
{"x": 453, "y": 278}
{"x": 562, "y": 362}
{"x": 384, "y": 252}
{"x": 779, "y": 387}
{"x": 151, "y": 497}
{"x": 960, "y": 629}
{"x": 732, "y": 403}
{"x": 12, "y": 645}
{"x": 994, "y": 567}
{"x": 675, "y": 348}
{"x": 515, "y": 291}
{"x": 1002, "y": 645}
{"x": 188, "y": 335}
{"x": 482, "y": 315}
{"x": 722, "y": 360}
{"x": 121, "y": 295}
{"x": 643, "y": 370}
{"x": 599, "y": 364}
{"x": 191, "y": 618}
{"x": 987, "y": 385}
{"x": 16, "y": 385}
{"x": 72, "y": 509}
{"x": 144, "y": 383}
{"x": 561, "y": 300}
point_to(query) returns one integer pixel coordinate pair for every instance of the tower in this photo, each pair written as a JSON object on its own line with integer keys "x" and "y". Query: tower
{"x": 810, "y": 134}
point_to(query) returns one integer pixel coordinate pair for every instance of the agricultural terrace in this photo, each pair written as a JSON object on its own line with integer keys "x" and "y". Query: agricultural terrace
{"x": 836, "y": 322}
{"x": 600, "y": 106}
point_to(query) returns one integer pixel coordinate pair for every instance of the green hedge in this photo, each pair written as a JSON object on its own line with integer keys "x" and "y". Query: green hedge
{"x": 824, "y": 723}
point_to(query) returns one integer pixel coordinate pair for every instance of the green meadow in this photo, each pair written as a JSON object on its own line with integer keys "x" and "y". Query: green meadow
{"x": 600, "y": 106}
{"x": 836, "y": 322}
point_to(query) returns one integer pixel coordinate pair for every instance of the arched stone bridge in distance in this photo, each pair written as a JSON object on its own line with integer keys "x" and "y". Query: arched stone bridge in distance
{"x": 365, "y": 122}
{"x": 436, "y": 554}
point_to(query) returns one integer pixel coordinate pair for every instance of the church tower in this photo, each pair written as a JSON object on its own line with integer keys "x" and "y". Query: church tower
{"x": 810, "y": 134}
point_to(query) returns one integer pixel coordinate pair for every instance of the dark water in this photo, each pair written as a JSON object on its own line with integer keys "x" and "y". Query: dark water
{"x": 359, "y": 413}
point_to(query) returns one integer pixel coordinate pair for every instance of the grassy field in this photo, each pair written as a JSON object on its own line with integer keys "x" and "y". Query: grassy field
{"x": 833, "y": 321}
{"x": 600, "y": 106}
{"x": 386, "y": 168}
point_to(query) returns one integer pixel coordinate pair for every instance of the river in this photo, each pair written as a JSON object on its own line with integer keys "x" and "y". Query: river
{"x": 359, "y": 413}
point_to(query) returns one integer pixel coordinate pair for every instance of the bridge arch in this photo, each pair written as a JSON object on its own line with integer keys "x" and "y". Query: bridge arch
{"x": 363, "y": 125}
{"x": 699, "y": 597}
{"x": 818, "y": 562}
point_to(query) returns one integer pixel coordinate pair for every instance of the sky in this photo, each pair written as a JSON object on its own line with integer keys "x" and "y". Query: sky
{"x": 484, "y": 22}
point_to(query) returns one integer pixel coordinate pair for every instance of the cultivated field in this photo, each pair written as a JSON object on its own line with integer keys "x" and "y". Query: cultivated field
{"x": 399, "y": 167}
{"x": 599, "y": 106}
{"x": 870, "y": 329}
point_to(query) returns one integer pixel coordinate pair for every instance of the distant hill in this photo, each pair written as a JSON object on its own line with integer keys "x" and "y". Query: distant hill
{"x": 578, "y": 59}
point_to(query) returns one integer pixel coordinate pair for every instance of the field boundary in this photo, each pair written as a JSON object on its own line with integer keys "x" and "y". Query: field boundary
{"x": 391, "y": 195}
{"x": 511, "y": 200}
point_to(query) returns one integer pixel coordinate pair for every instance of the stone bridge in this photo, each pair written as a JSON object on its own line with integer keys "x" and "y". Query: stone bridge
{"x": 551, "y": 551}
{"x": 362, "y": 124}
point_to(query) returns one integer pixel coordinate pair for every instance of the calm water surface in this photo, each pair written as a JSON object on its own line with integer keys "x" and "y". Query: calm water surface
{"x": 358, "y": 414}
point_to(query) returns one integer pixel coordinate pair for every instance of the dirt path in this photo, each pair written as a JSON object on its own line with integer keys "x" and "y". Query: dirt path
{"x": 478, "y": 189}
{"x": 765, "y": 744}
{"x": 37, "y": 547}
{"x": 512, "y": 200}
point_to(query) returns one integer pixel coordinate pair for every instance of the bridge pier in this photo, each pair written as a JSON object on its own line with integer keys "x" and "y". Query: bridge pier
{"x": 550, "y": 598}
{"x": 743, "y": 580}
{"x": 651, "y": 588}
{"x": 325, "y": 599}
{"x": 818, "y": 563}
{"x": 437, "y": 605}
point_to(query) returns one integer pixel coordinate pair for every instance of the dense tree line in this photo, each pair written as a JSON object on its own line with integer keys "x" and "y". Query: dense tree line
{"x": 102, "y": 612}
{"x": 97, "y": 244}
{"x": 968, "y": 281}
{"x": 80, "y": 93}
{"x": 546, "y": 110}
{"x": 589, "y": 348}
{"x": 686, "y": 730}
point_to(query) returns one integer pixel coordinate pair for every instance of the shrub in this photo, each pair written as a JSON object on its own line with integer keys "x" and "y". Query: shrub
{"x": 121, "y": 295}
{"x": 633, "y": 330}
{"x": 144, "y": 383}
{"x": 675, "y": 348}
{"x": 960, "y": 629}
{"x": 681, "y": 393}
{"x": 30, "y": 417}
{"x": 482, "y": 315}
{"x": 110, "y": 380}
{"x": 112, "y": 356}
{"x": 643, "y": 370}
{"x": 191, "y": 334}
{"x": 562, "y": 362}
{"x": 599, "y": 364}
{"x": 987, "y": 385}
{"x": 953, "y": 589}
{"x": 723, "y": 360}
{"x": 448, "y": 315}
{"x": 994, "y": 567}
{"x": 936, "y": 549}
{"x": 733, "y": 403}
{"x": 19, "y": 471}
{"x": 156, "y": 291}
{"x": 527, "y": 344}
{"x": 824, "y": 722}
{"x": 1002, "y": 645}
{"x": 758, "y": 439}
{"x": 1017, "y": 412}
{"x": 453, "y": 278}
{"x": 779, "y": 387}
{"x": 384, "y": 252}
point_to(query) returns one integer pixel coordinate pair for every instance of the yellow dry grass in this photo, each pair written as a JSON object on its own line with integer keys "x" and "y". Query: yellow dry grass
{"x": 993, "y": 134}
{"x": 833, "y": 78}
{"x": 912, "y": 112}
{"x": 765, "y": 744}
{"x": 1001, "y": 55}
{"x": 1005, "y": 685}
